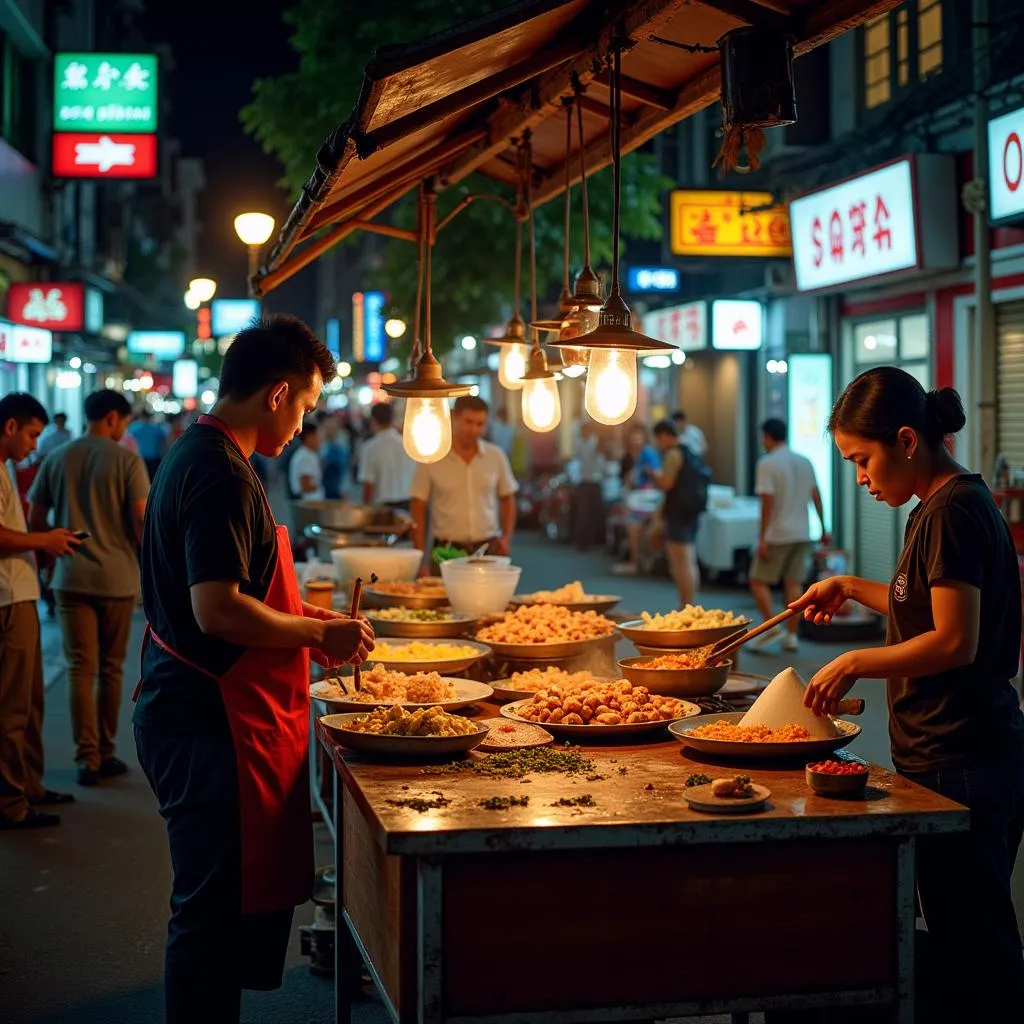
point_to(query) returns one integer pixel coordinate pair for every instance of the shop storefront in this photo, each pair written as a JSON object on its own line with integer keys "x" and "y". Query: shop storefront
{"x": 865, "y": 242}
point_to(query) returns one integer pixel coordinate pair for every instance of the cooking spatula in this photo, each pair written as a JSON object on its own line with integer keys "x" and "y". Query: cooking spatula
{"x": 727, "y": 645}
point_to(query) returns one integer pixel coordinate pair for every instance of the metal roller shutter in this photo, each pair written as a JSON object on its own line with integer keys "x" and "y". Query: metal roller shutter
{"x": 1010, "y": 334}
{"x": 878, "y": 540}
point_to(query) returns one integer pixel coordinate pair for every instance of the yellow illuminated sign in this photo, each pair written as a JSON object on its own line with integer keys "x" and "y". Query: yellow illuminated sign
{"x": 714, "y": 223}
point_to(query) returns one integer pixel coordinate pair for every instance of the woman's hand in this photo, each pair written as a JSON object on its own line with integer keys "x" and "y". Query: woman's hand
{"x": 830, "y": 685}
{"x": 823, "y": 600}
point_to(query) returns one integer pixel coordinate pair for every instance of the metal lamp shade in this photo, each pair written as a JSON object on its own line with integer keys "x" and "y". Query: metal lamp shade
{"x": 757, "y": 78}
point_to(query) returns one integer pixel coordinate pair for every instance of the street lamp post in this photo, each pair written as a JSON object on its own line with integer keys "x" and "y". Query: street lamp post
{"x": 254, "y": 229}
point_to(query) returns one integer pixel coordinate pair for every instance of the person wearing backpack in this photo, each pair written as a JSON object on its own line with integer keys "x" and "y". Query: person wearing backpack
{"x": 785, "y": 483}
{"x": 684, "y": 479}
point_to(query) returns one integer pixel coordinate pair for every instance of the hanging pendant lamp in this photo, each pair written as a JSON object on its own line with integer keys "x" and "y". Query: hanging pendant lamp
{"x": 611, "y": 393}
{"x": 542, "y": 406}
{"x": 427, "y": 432}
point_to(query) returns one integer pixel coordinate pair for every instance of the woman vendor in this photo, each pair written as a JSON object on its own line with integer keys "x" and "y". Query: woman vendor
{"x": 952, "y": 648}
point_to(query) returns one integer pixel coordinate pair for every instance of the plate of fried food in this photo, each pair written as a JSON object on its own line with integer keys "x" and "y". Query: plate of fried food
{"x": 523, "y": 685}
{"x": 592, "y": 712}
{"x": 735, "y": 795}
{"x": 571, "y": 596}
{"x": 420, "y": 623}
{"x": 428, "y": 592}
{"x": 428, "y": 655}
{"x": 383, "y": 687}
{"x": 691, "y": 626}
{"x": 541, "y": 631}
{"x": 677, "y": 673}
{"x": 393, "y": 732}
{"x": 723, "y": 736}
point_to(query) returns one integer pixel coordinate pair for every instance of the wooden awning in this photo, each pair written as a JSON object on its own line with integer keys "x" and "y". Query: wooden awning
{"x": 451, "y": 105}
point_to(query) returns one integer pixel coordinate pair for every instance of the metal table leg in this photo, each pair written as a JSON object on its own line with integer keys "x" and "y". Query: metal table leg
{"x": 906, "y": 913}
{"x": 346, "y": 958}
{"x": 430, "y": 940}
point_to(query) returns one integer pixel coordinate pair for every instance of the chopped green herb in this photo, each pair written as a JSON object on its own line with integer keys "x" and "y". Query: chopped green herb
{"x": 623, "y": 769}
{"x": 516, "y": 764}
{"x": 697, "y": 779}
{"x": 420, "y": 804}
{"x": 586, "y": 800}
{"x": 504, "y": 803}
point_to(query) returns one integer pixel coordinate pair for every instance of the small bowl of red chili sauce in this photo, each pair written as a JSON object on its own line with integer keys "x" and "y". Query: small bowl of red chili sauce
{"x": 836, "y": 778}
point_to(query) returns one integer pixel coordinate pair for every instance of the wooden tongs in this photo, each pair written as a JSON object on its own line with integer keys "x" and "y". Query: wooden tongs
{"x": 357, "y": 594}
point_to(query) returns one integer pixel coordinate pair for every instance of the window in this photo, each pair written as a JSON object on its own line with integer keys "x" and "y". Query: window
{"x": 874, "y": 342}
{"x": 17, "y": 99}
{"x": 877, "y": 88}
{"x": 901, "y": 48}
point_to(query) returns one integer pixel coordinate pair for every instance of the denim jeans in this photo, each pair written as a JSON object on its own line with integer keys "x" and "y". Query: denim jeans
{"x": 213, "y": 950}
{"x": 963, "y": 882}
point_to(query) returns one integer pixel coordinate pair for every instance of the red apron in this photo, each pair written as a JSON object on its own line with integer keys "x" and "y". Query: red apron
{"x": 266, "y": 695}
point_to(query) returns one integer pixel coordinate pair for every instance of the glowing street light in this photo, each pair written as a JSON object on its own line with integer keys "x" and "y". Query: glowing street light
{"x": 202, "y": 288}
{"x": 254, "y": 228}
{"x": 192, "y": 301}
{"x": 395, "y": 327}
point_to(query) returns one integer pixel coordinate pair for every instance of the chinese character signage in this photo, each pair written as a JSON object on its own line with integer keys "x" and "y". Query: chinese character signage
{"x": 374, "y": 338}
{"x": 868, "y": 226}
{"x": 55, "y": 305}
{"x": 717, "y": 223}
{"x": 114, "y": 92}
{"x": 736, "y": 324}
{"x": 1006, "y": 166}
{"x": 91, "y": 155}
{"x": 683, "y": 326}
{"x": 21, "y": 344}
{"x": 652, "y": 279}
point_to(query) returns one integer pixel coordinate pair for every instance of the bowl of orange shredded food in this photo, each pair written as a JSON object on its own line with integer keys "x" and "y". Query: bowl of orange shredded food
{"x": 680, "y": 674}
{"x": 536, "y": 631}
{"x": 723, "y": 736}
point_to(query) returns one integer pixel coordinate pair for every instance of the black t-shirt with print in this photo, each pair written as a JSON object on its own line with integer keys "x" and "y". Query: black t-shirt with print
{"x": 957, "y": 716}
{"x": 207, "y": 519}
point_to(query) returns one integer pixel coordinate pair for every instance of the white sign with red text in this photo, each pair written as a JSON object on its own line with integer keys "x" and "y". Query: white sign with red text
{"x": 685, "y": 326}
{"x": 20, "y": 344}
{"x": 736, "y": 324}
{"x": 1006, "y": 166}
{"x": 861, "y": 228}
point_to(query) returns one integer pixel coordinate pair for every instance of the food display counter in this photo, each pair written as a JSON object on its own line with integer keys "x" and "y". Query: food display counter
{"x": 605, "y": 898}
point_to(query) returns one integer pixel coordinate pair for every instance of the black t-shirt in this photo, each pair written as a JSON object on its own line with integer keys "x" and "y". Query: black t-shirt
{"x": 207, "y": 519}
{"x": 963, "y": 714}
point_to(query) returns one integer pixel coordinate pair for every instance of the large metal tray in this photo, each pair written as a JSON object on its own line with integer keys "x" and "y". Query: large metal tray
{"x": 679, "y": 639}
{"x": 807, "y": 749}
{"x": 443, "y": 665}
{"x": 467, "y": 692}
{"x": 504, "y": 690}
{"x": 597, "y": 733}
{"x": 458, "y": 625}
{"x": 377, "y": 599}
{"x": 400, "y": 748}
{"x": 594, "y": 602}
{"x": 548, "y": 652}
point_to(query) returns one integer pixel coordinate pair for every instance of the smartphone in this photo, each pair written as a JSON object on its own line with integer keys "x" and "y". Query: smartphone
{"x": 82, "y": 535}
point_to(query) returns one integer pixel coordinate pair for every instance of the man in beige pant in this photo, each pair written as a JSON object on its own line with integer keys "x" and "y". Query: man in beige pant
{"x": 96, "y": 485}
{"x": 22, "y": 792}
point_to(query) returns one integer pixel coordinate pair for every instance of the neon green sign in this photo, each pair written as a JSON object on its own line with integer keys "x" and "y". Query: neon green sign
{"x": 112, "y": 92}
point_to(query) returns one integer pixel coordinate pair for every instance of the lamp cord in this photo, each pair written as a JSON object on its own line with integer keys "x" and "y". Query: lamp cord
{"x": 416, "y": 341}
{"x": 429, "y": 243}
{"x": 583, "y": 176}
{"x": 616, "y": 138}
{"x": 528, "y": 188}
{"x": 568, "y": 186}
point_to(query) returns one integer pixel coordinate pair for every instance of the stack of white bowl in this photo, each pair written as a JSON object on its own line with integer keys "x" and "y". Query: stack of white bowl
{"x": 481, "y": 585}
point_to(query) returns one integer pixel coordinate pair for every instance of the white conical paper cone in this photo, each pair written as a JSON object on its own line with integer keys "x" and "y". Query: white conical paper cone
{"x": 782, "y": 703}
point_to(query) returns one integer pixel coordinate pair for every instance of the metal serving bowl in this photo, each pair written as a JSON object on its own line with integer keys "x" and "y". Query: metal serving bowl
{"x": 679, "y": 639}
{"x": 676, "y": 682}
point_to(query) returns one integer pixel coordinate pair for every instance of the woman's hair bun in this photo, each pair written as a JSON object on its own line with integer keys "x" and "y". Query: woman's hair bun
{"x": 947, "y": 410}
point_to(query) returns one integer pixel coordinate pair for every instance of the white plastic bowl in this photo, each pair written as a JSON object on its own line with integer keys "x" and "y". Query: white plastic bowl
{"x": 481, "y": 593}
{"x": 389, "y": 564}
{"x": 479, "y": 564}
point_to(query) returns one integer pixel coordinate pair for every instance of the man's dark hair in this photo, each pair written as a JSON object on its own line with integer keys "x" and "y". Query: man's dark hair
{"x": 309, "y": 426}
{"x": 470, "y": 403}
{"x": 60, "y": 418}
{"x": 383, "y": 414}
{"x": 775, "y": 429}
{"x": 664, "y": 427}
{"x": 21, "y": 407}
{"x": 101, "y": 404}
{"x": 275, "y": 348}
{"x": 679, "y": 415}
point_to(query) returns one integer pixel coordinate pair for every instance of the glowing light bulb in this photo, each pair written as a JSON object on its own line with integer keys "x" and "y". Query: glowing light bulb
{"x": 611, "y": 385}
{"x": 542, "y": 407}
{"x": 427, "y": 434}
{"x": 512, "y": 366}
{"x": 574, "y": 369}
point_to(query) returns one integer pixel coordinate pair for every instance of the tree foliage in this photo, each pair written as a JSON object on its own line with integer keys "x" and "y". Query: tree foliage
{"x": 473, "y": 260}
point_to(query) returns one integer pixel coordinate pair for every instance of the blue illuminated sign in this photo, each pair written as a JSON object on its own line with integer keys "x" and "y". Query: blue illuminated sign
{"x": 652, "y": 279}
{"x": 159, "y": 344}
{"x": 229, "y": 316}
{"x": 332, "y": 337}
{"x": 375, "y": 344}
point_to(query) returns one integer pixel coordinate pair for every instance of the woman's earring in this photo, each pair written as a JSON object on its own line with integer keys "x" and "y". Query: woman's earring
{"x": 909, "y": 457}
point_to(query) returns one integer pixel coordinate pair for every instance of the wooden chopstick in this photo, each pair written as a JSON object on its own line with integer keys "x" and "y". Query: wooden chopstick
{"x": 732, "y": 643}
{"x": 357, "y": 593}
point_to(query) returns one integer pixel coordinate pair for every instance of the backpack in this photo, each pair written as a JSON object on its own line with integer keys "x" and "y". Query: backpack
{"x": 689, "y": 495}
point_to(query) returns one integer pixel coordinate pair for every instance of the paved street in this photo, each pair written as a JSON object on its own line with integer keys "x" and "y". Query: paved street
{"x": 83, "y": 907}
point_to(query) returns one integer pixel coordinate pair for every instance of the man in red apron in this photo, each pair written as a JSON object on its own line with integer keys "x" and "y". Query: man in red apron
{"x": 222, "y": 714}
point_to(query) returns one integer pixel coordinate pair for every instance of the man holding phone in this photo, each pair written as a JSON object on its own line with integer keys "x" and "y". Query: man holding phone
{"x": 97, "y": 488}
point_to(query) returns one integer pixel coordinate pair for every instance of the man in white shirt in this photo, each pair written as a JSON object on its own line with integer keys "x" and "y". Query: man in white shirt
{"x": 385, "y": 470}
{"x": 786, "y": 485}
{"x": 22, "y": 419}
{"x": 470, "y": 492}
{"x": 305, "y": 474}
{"x": 690, "y": 434}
